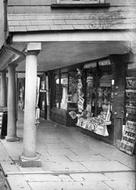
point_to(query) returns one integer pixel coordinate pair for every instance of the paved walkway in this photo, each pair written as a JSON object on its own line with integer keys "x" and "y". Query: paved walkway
{"x": 3, "y": 180}
{"x": 70, "y": 159}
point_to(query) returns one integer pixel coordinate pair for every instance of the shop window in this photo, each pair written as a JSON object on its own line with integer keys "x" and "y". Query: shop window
{"x": 42, "y": 96}
{"x": 94, "y": 102}
{"x": 61, "y": 87}
{"x": 99, "y": 89}
{"x": 64, "y": 90}
{"x": 72, "y": 91}
{"x": 21, "y": 93}
{"x": 58, "y": 91}
{"x": 79, "y": 1}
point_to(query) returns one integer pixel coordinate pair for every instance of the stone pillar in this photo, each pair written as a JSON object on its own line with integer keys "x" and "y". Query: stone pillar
{"x": 3, "y": 102}
{"x": 29, "y": 156}
{"x": 48, "y": 98}
{"x": 11, "y": 128}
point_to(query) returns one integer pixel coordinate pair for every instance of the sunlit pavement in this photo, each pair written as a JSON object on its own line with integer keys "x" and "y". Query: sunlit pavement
{"x": 70, "y": 160}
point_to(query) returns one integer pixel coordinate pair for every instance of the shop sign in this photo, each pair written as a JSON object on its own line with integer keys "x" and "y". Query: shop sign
{"x": 42, "y": 90}
{"x": 104, "y": 62}
{"x": 90, "y": 65}
{"x": 129, "y": 138}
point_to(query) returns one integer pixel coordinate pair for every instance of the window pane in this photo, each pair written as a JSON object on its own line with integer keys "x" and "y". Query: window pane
{"x": 58, "y": 91}
{"x": 79, "y": 1}
{"x": 90, "y": 94}
{"x": 73, "y": 95}
{"x": 61, "y": 94}
{"x": 64, "y": 91}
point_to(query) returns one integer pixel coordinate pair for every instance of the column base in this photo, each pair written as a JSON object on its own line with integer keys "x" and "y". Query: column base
{"x": 12, "y": 139}
{"x": 30, "y": 161}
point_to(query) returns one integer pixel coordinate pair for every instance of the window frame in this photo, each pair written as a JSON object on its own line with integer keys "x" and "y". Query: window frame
{"x": 80, "y": 4}
{"x": 60, "y": 74}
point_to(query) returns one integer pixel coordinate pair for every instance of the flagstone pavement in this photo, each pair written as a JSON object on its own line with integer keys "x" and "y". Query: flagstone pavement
{"x": 70, "y": 160}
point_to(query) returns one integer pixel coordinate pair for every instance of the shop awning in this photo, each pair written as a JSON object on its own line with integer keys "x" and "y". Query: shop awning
{"x": 62, "y": 54}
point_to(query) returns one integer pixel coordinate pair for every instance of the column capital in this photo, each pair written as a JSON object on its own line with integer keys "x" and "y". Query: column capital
{"x": 32, "y": 52}
{"x": 12, "y": 66}
{"x": 33, "y": 48}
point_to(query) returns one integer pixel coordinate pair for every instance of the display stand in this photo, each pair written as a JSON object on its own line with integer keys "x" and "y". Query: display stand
{"x": 129, "y": 133}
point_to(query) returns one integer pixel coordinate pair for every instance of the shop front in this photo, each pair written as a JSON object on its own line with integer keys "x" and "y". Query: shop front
{"x": 91, "y": 96}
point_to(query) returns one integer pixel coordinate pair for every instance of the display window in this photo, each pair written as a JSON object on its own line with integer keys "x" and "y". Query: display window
{"x": 41, "y": 96}
{"x": 21, "y": 93}
{"x": 91, "y": 96}
{"x": 95, "y": 114}
{"x": 58, "y": 91}
{"x": 72, "y": 90}
{"x": 61, "y": 90}
{"x": 86, "y": 94}
{"x": 98, "y": 88}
